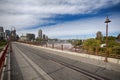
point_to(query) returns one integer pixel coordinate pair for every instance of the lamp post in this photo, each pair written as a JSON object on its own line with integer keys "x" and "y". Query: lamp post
{"x": 107, "y": 54}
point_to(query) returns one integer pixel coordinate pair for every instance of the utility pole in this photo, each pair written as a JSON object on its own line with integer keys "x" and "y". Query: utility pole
{"x": 107, "y": 53}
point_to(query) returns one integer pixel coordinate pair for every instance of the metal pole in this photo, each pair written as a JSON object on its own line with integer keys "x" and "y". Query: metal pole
{"x": 53, "y": 45}
{"x": 75, "y": 48}
{"x": 62, "y": 47}
{"x": 106, "y": 55}
{"x": 46, "y": 44}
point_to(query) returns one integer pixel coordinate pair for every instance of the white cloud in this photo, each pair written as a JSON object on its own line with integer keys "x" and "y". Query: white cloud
{"x": 83, "y": 27}
{"x": 28, "y": 13}
{"x": 80, "y": 28}
{"x": 55, "y": 6}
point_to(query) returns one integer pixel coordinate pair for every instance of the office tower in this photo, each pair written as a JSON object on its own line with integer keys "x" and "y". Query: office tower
{"x": 44, "y": 36}
{"x": 30, "y": 36}
{"x": 99, "y": 35}
{"x": 1, "y": 29}
{"x": 2, "y": 34}
{"x": 40, "y": 34}
{"x": 7, "y": 34}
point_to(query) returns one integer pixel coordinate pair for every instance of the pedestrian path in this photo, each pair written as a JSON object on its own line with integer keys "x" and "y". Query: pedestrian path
{"x": 21, "y": 69}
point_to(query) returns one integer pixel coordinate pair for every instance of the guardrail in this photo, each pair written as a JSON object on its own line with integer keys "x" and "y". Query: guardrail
{"x": 78, "y": 49}
{"x": 2, "y": 58}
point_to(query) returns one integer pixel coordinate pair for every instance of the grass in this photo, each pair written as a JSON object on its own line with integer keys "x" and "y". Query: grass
{"x": 2, "y": 45}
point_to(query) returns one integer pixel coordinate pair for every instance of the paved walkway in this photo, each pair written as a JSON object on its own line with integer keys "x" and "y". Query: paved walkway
{"x": 21, "y": 69}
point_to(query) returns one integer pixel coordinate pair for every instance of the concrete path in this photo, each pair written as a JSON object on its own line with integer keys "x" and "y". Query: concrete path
{"x": 59, "y": 72}
{"x": 22, "y": 68}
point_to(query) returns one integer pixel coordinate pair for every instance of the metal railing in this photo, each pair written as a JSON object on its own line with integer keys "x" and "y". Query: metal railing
{"x": 2, "y": 58}
{"x": 78, "y": 49}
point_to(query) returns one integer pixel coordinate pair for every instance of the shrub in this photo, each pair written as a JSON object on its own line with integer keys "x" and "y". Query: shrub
{"x": 3, "y": 43}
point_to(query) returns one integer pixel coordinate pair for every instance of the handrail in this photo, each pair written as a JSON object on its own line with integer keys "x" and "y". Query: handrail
{"x": 2, "y": 59}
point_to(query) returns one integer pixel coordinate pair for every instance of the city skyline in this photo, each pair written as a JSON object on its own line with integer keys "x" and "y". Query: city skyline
{"x": 61, "y": 18}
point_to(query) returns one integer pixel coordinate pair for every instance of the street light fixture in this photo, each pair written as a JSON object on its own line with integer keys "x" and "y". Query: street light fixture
{"x": 107, "y": 54}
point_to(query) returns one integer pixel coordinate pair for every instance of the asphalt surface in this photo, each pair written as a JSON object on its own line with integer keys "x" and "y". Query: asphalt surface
{"x": 52, "y": 64}
{"x": 15, "y": 68}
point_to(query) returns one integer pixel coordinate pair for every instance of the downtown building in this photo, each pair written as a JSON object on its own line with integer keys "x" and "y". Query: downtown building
{"x": 2, "y": 34}
{"x": 13, "y": 35}
{"x": 99, "y": 35}
{"x": 30, "y": 37}
{"x": 7, "y": 34}
{"x": 45, "y": 37}
{"x": 23, "y": 38}
{"x": 40, "y": 36}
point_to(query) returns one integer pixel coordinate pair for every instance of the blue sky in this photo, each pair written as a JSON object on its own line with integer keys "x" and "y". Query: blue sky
{"x": 64, "y": 19}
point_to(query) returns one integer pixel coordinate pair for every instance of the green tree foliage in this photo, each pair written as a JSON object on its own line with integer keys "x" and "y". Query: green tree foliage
{"x": 76, "y": 42}
{"x": 92, "y": 44}
{"x": 39, "y": 40}
{"x": 112, "y": 43}
{"x": 3, "y": 42}
{"x": 110, "y": 38}
{"x": 114, "y": 47}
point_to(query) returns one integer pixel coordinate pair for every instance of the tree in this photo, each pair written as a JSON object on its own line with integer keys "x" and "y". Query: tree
{"x": 39, "y": 40}
{"x": 96, "y": 44}
{"x": 110, "y": 38}
{"x": 78, "y": 42}
{"x": 3, "y": 42}
{"x": 116, "y": 49}
{"x": 91, "y": 44}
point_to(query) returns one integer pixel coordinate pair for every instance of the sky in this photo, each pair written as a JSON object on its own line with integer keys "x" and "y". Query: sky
{"x": 63, "y": 19}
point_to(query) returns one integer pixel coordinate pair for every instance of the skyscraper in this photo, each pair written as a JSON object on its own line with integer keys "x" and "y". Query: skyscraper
{"x": 1, "y": 29}
{"x": 40, "y": 34}
{"x": 30, "y": 36}
{"x": 99, "y": 35}
{"x": 13, "y": 34}
{"x": 44, "y": 36}
{"x": 2, "y": 34}
{"x": 7, "y": 34}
